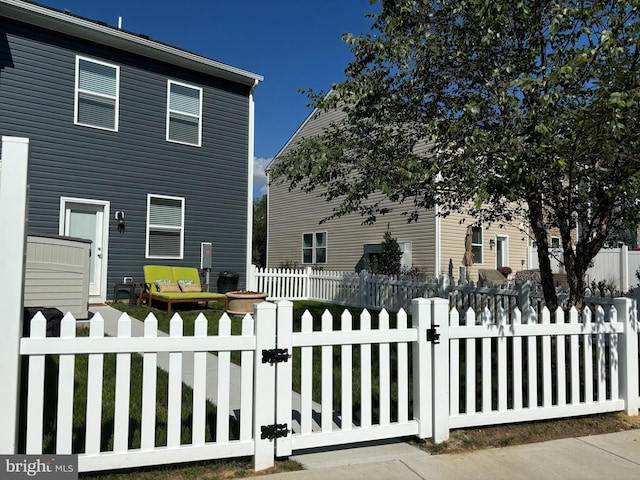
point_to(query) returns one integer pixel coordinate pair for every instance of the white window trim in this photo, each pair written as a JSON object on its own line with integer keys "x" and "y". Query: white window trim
{"x": 551, "y": 242}
{"x": 481, "y": 245}
{"x": 314, "y": 247}
{"x": 149, "y": 226}
{"x": 199, "y": 117}
{"x": 77, "y": 91}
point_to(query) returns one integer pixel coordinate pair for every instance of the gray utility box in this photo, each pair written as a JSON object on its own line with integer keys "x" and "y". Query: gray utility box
{"x": 57, "y": 274}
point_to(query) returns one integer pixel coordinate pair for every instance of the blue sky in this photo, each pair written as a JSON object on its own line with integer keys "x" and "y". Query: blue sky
{"x": 291, "y": 43}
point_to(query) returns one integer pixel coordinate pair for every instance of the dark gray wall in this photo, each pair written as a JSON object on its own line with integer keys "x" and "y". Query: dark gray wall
{"x": 37, "y": 75}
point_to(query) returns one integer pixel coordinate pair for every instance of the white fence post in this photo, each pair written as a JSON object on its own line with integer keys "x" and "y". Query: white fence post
{"x": 307, "y": 283}
{"x": 13, "y": 218}
{"x": 624, "y": 269}
{"x": 422, "y": 384}
{"x": 440, "y": 359}
{"x": 264, "y": 403}
{"x": 252, "y": 281}
{"x": 628, "y": 354}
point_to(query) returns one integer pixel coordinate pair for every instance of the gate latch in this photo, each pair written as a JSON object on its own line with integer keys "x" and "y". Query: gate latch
{"x": 274, "y": 431}
{"x": 275, "y": 355}
{"x": 433, "y": 335}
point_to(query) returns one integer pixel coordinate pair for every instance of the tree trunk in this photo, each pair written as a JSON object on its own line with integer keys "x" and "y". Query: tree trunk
{"x": 536, "y": 221}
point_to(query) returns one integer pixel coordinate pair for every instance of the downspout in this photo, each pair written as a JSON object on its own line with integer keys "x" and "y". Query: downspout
{"x": 251, "y": 139}
{"x": 438, "y": 242}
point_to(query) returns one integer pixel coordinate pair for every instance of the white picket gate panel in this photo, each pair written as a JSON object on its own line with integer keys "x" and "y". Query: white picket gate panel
{"x": 340, "y": 426}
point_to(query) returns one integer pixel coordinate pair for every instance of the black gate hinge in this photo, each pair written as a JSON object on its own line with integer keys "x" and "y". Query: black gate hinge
{"x": 433, "y": 335}
{"x": 275, "y": 355}
{"x": 271, "y": 432}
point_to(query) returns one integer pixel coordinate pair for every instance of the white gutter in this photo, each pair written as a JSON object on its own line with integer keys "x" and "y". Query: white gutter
{"x": 438, "y": 241}
{"x": 251, "y": 151}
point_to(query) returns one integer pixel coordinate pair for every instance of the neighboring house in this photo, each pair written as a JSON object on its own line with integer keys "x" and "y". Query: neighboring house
{"x": 143, "y": 148}
{"x": 294, "y": 234}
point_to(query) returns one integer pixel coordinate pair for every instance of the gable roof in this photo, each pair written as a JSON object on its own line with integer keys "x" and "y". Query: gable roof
{"x": 100, "y": 32}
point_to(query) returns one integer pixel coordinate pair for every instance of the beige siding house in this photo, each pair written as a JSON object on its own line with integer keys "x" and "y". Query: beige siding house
{"x": 296, "y": 236}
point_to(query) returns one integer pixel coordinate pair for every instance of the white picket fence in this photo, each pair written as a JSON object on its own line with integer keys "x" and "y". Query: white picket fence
{"x": 392, "y": 293}
{"x": 464, "y": 370}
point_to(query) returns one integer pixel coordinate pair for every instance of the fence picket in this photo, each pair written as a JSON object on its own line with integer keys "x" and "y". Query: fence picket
{"x": 224, "y": 379}
{"x": 199, "y": 385}
{"x": 403, "y": 371}
{"x": 575, "y": 360}
{"x": 306, "y": 378}
{"x": 123, "y": 390}
{"x": 516, "y": 319}
{"x": 174, "y": 403}
{"x": 346, "y": 407}
{"x": 66, "y": 375}
{"x": 546, "y": 361}
{"x": 149, "y": 384}
{"x": 588, "y": 355}
{"x": 247, "y": 399}
{"x": 94, "y": 389}
{"x": 470, "y": 361}
{"x": 35, "y": 389}
{"x": 365, "y": 372}
{"x": 502, "y": 359}
{"x": 454, "y": 364}
{"x": 327, "y": 376}
{"x": 487, "y": 384}
{"x": 384, "y": 359}
{"x": 561, "y": 362}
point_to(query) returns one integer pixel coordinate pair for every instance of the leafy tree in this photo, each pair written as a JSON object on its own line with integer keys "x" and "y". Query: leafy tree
{"x": 259, "y": 241}
{"x": 502, "y": 109}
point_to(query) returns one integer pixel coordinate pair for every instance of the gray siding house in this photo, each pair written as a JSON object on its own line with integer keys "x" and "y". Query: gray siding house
{"x": 143, "y": 148}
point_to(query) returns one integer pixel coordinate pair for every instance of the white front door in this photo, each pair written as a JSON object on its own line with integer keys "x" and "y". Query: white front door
{"x": 88, "y": 219}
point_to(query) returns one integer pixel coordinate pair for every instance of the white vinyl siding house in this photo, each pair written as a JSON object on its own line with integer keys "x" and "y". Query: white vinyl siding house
{"x": 96, "y": 94}
{"x": 184, "y": 119}
{"x": 165, "y": 227}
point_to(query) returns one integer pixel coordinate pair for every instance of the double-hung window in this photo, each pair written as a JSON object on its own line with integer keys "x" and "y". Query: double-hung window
{"x": 476, "y": 244}
{"x": 97, "y": 94}
{"x": 314, "y": 247}
{"x": 184, "y": 114}
{"x": 165, "y": 226}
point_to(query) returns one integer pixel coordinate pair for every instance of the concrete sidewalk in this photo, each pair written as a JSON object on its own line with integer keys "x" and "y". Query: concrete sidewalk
{"x": 615, "y": 456}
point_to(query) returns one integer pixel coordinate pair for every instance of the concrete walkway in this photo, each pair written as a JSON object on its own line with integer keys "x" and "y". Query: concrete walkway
{"x": 111, "y": 317}
{"x": 613, "y": 456}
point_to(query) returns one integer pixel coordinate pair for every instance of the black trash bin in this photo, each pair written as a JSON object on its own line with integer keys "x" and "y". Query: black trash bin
{"x": 227, "y": 282}
{"x": 53, "y": 316}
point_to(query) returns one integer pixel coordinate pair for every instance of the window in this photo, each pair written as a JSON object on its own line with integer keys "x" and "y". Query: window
{"x": 184, "y": 107}
{"x": 96, "y": 99}
{"x": 476, "y": 244}
{"x": 314, "y": 247}
{"x": 555, "y": 242}
{"x": 165, "y": 226}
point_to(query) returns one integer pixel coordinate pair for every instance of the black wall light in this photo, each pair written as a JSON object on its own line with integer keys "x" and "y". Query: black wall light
{"x": 120, "y": 219}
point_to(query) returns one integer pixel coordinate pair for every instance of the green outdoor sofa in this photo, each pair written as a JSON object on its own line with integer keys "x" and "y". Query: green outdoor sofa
{"x": 175, "y": 285}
